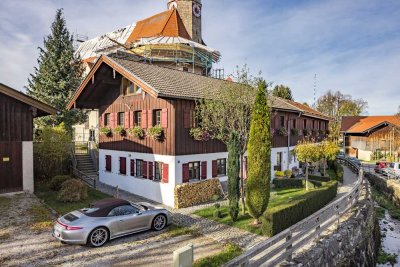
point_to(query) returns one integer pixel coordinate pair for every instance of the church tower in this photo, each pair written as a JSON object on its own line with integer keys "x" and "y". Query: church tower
{"x": 190, "y": 12}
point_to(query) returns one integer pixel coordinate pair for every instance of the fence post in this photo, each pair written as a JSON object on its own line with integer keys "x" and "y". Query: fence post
{"x": 288, "y": 238}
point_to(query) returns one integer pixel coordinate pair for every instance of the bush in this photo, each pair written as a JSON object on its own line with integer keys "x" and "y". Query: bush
{"x": 279, "y": 174}
{"x": 106, "y": 131}
{"x": 278, "y": 219}
{"x": 319, "y": 178}
{"x": 217, "y": 214}
{"x": 338, "y": 169}
{"x": 156, "y": 132}
{"x": 57, "y": 181}
{"x": 136, "y": 132}
{"x": 288, "y": 173}
{"x": 120, "y": 130}
{"x": 287, "y": 183}
{"x": 72, "y": 190}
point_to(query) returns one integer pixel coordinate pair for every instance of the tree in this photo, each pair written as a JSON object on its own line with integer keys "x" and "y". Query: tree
{"x": 57, "y": 76}
{"x": 259, "y": 156}
{"x": 282, "y": 91}
{"x": 233, "y": 176}
{"x": 329, "y": 150}
{"x": 307, "y": 151}
{"x": 337, "y": 105}
{"x": 227, "y": 110}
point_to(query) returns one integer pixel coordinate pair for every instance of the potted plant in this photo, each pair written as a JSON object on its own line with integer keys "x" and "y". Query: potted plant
{"x": 279, "y": 174}
{"x": 305, "y": 132}
{"x": 282, "y": 131}
{"x": 327, "y": 132}
{"x": 199, "y": 134}
{"x": 106, "y": 131}
{"x": 120, "y": 130}
{"x": 156, "y": 132}
{"x": 294, "y": 131}
{"x": 321, "y": 132}
{"x": 136, "y": 132}
{"x": 314, "y": 131}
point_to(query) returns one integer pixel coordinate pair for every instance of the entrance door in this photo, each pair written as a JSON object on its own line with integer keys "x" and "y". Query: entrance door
{"x": 10, "y": 167}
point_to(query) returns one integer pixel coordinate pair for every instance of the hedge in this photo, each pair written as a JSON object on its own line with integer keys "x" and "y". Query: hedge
{"x": 338, "y": 169}
{"x": 287, "y": 183}
{"x": 190, "y": 194}
{"x": 319, "y": 178}
{"x": 278, "y": 219}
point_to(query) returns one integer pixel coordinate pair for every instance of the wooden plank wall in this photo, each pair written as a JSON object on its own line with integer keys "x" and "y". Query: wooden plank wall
{"x": 10, "y": 169}
{"x": 16, "y": 120}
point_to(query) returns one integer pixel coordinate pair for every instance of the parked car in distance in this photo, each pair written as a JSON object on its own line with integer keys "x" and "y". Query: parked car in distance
{"x": 354, "y": 160}
{"x": 380, "y": 165}
{"x": 393, "y": 170}
{"x": 341, "y": 155}
{"x": 109, "y": 219}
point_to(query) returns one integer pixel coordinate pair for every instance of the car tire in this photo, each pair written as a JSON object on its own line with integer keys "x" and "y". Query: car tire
{"x": 159, "y": 222}
{"x": 98, "y": 237}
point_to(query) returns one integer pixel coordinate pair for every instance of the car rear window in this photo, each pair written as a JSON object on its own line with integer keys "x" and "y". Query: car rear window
{"x": 88, "y": 211}
{"x": 70, "y": 217}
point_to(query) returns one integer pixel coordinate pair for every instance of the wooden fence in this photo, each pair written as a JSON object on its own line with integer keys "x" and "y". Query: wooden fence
{"x": 281, "y": 246}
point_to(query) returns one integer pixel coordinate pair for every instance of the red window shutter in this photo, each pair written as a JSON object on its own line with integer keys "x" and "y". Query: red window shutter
{"x": 185, "y": 173}
{"x": 108, "y": 163}
{"x": 151, "y": 176}
{"x": 102, "y": 120}
{"x": 126, "y": 120}
{"x": 165, "y": 173}
{"x": 204, "y": 170}
{"x": 164, "y": 118}
{"x": 122, "y": 165}
{"x": 131, "y": 120}
{"x": 145, "y": 169}
{"x": 214, "y": 168}
{"x": 186, "y": 118}
{"x": 114, "y": 119}
{"x": 132, "y": 167}
{"x": 144, "y": 119}
{"x": 149, "y": 118}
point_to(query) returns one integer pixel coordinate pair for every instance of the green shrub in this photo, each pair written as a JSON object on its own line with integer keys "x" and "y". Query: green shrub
{"x": 288, "y": 173}
{"x": 217, "y": 214}
{"x": 276, "y": 220}
{"x": 319, "y": 178}
{"x": 136, "y": 132}
{"x": 279, "y": 174}
{"x": 338, "y": 169}
{"x": 314, "y": 184}
{"x": 120, "y": 130}
{"x": 156, "y": 132}
{"x": 287, "y": 183}
{"x": 72, "y": 190}
{"x": 57, "y": 181}
{"x": 106, "y": 131}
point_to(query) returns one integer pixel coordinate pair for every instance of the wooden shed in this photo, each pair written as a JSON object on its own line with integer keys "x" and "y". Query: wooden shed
{"x": 17, "y": 112}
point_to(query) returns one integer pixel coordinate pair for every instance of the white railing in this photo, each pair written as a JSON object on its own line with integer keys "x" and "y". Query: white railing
{"x": 282, "y": 246}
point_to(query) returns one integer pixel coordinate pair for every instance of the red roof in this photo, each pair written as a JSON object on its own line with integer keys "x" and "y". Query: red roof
{"x": 362, "y": 124}
{"x": 167, "y": 23}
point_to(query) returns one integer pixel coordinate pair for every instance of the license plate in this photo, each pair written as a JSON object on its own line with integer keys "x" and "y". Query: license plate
{"x": 57, "y": 233}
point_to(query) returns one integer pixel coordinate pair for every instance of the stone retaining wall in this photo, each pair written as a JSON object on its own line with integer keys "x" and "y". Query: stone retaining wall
{"x": 391, "y": 188}
{"x": 354, "y": 243}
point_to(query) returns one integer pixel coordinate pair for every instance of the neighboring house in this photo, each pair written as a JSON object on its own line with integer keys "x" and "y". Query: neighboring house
{"x": 371, "y": 137}
{"x": 17, "y": 112}
{"x": 135, "y": 94}
{"x": 172, "y": 39}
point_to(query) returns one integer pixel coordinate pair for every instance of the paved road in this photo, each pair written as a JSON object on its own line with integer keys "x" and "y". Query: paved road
{"x": 349, "y": 180}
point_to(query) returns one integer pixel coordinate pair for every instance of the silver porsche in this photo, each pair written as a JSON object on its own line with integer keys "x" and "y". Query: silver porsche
{"x": 108, "y": 219}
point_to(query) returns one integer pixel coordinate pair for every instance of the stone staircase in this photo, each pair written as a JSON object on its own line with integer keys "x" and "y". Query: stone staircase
{"x": 86, "y": 166}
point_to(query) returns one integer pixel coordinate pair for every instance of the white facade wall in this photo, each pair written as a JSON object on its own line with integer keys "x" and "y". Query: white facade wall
{"x": 365, "y": 154}
{"x": 27, "y": 166}
{"x": 82, "y": 131}
{"x": 288, "y": 160}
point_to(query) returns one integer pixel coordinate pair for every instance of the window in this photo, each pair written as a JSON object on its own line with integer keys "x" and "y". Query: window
{"x": 194, "y": 170}
{"x": 305, "y": 124}
{"x": 313, "y": 124}
{"x": 319, "y": 125}
{"x": 221, "y": 163}
{"x": 157, "y": 117}
{"x": 294, "y": 123}
{"x": 122, "y": 165}
{"x": 130, "y": 88}
{"x": 279, "y": 158}
{"x": 108, "y": 163}
{"x": 195, "y": 119}
{"x": 139, "y": 168}
{"x": 282, "y": 118}
{"x": 120, "y": 121}
{"x": 138, "y": 118}
{"x": 123, "y": 210}
{"x": 158, "y": 171}
{"x": 107, "y": 119}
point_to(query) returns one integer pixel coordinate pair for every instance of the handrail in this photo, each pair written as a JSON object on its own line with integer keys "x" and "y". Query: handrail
{"x": 79, "y": 174}
{"x": 280, "y": 247}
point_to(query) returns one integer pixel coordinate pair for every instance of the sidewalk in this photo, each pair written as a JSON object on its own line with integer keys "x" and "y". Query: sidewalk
{"x": 349, "y": 180}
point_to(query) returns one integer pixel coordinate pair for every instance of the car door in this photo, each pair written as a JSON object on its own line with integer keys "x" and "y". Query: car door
{"x": 131, "y": 219}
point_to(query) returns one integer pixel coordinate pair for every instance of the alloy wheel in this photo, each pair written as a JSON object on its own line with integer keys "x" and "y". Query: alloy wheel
{"x": 159, "y": 222}
{"x": 98, "y": 237}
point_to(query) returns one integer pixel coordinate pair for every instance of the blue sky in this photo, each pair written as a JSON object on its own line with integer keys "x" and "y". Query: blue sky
{"x": 352, "y": 46}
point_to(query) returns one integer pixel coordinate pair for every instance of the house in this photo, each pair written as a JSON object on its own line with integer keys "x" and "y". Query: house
{"x": 131, "y": 94}
{"x": 172, "y": 38}
{"x": 371, "y": 137}
{"x": 17, "y": 112}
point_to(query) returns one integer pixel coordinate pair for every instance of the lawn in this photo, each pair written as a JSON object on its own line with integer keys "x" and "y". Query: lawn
{"x": 279, "y": 198}
{"x": 50, "y": 198}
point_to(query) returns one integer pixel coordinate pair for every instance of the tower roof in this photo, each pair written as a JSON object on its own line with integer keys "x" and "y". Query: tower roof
{"x": 167, "y": 23}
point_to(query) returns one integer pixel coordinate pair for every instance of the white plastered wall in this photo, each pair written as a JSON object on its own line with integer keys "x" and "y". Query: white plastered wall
{"x": 27, "y": 166}
{"x": 274, "y": 158}
{"x": 364, "y": 155}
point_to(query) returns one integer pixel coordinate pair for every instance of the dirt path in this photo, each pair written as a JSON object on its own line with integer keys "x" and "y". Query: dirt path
{"x": 25, "y": 240}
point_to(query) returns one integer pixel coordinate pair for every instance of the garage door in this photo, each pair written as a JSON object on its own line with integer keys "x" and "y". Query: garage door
{"x": 10, "y": 167}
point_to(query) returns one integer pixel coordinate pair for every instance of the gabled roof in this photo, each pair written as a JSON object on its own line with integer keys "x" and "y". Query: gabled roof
{"x": 167, "y": 24}
{"x": 363, "y": 124}
{"x": 42, "y": 108}
{"x": 170, "y": 83}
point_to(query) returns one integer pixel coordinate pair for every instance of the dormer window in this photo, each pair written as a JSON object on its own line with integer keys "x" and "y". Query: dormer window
{"x": 130, "y": 88}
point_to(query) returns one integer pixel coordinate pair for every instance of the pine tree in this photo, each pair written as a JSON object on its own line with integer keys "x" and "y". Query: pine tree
{"x": 57, "y": 76}
{"x": 259, "y": 156}
{"x": 233, "y": 176}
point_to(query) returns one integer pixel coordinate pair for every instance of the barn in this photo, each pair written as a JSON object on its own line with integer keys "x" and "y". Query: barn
{"x": 17, "y": 112}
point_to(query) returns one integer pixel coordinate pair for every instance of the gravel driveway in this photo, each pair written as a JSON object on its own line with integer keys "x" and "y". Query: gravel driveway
{"x": 25, "y": 240}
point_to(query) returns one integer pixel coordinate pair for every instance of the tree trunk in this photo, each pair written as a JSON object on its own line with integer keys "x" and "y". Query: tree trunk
{"x": 242, "y": 184}
{"x": 306, "y": 176}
